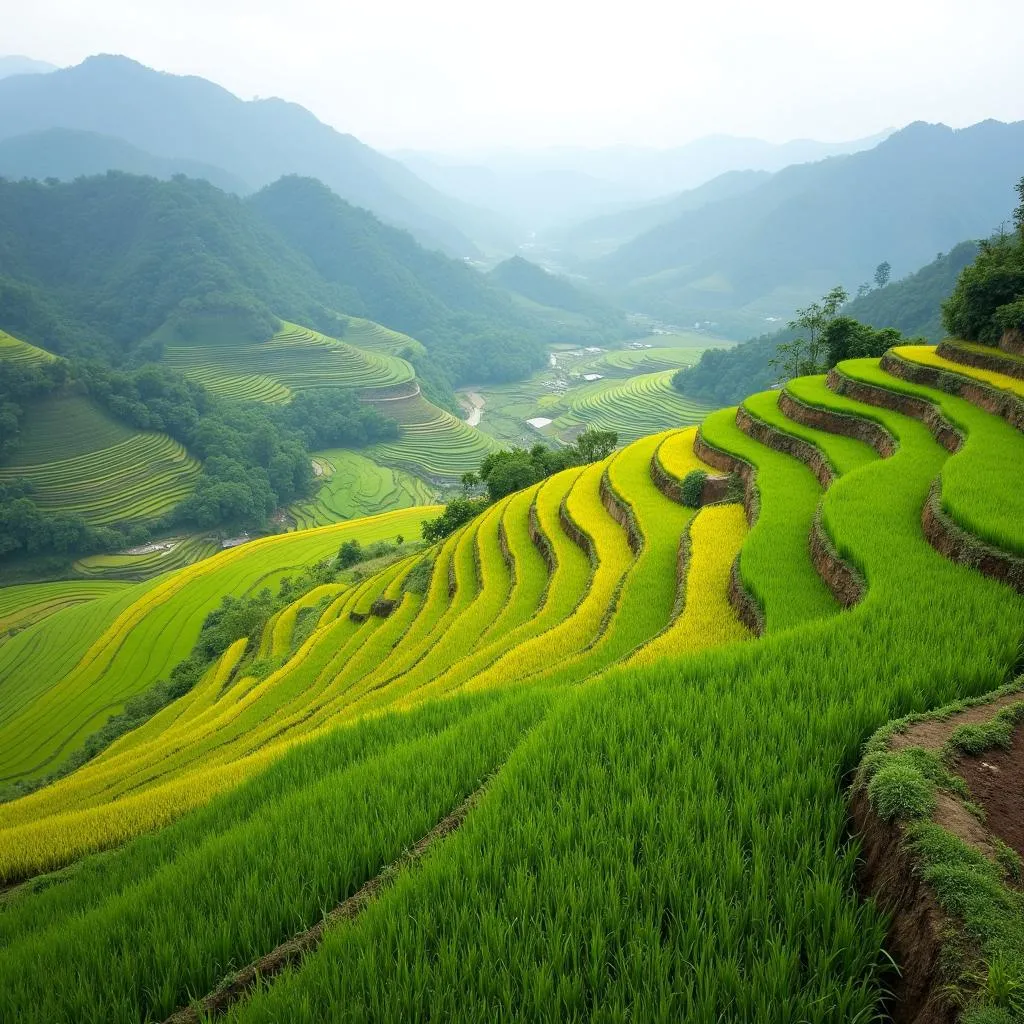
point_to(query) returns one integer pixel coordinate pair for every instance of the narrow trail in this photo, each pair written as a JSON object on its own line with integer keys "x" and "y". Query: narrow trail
{"x": 291, "y": 952}
{"x": 473, "y": 403}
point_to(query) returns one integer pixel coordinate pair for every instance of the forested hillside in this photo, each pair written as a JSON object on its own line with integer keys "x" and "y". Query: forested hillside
{"x": 98, "y": 265}
{"x": 913, "y": 304}
{"x": 547, "y": 289}
{"x": 256, "y": 141}
{"x": 810, "y": 226}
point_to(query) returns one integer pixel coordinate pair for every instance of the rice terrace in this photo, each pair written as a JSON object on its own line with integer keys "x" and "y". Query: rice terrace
{"x": 500, "y": 588}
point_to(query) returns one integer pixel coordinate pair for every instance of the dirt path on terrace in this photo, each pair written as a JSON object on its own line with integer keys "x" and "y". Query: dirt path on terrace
{"x": 289, "y": 953}
{"x": 473, "y": 403}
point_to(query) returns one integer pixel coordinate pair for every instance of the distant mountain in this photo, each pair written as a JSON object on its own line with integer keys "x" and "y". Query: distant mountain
{"x": 913, "y": 305}
{"x": 601, "y": 235}
{"x": 531, "y": 198}
{"x": 68, "y": 154}
{"x": 256, "y": 141}
{"x": 752, "y": 259}
{"x": 546, "y": 289}
{"x": 17, "y": 65}
{"x": 542, "y": 189}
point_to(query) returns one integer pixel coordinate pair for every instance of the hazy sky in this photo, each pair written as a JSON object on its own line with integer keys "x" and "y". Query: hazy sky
{"x": 464, "y": 74}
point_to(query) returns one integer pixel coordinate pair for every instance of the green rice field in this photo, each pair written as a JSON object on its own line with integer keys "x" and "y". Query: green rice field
{"x": 545, "y": 769}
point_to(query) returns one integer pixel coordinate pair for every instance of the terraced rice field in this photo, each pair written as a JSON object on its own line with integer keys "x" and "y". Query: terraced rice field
{"x": 81, "y": 461}
{"x": 17, "y": 351}
{"x": 644, "y": 404}
{"x": 374, "y": 337}
{"x": 53, "y": 694}
{"x": 160, "y": 556}
{"x": 24, "y": 604}
{"x": 633, "y": 807}
{"x": 433, "y": 443}
{"x": 354, "y": 486}
{"x": 294, "y": 359}
{"x": 630, "y": 362}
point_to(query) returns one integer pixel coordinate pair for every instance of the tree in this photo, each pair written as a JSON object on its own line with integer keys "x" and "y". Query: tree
{"x": 595, "y": 445}
{"x": 1018, "y": 214}
{"x": 349, "y": 554}
{"x": 804, "y": 353}
{"x": 882, "y": 273}
{"x": 469, "y": 481}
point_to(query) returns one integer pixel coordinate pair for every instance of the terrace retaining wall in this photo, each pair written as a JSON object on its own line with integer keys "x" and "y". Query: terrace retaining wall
{"x": 622, "y": 512}
{"x": 745, "y": 604}
{"x": 909, "y": 405}
{"x": 993, "y": 360}
{"x": 844, "y": 580}
{"x": 958, "y": 545}
{"x": 984, "y": 396}
{"x": 1012, "y": 341}
{"x": 540, "y": 539}
{"x": 856, "y": 427}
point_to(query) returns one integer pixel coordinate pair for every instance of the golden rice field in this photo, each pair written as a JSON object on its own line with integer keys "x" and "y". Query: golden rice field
{"x": 624, "y": 728}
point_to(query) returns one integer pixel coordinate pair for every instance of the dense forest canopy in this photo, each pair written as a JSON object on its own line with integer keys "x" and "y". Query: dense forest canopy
{"x": 96, "y": 266}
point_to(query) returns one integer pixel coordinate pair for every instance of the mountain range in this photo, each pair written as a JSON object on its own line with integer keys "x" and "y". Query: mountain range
{"x": 254, "y": 142}
{"x": 550, "y": 188}
{"x": 750, "y": 259}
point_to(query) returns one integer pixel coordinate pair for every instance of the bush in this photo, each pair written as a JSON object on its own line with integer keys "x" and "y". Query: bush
{"x": 691, "y": 490}
{"x": 900, "y": 790}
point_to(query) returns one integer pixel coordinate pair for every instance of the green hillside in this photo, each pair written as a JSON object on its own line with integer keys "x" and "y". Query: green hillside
{"x": 196, "y": 120}
{"x": 294, "y": 359}
{"x": 589, "y": 751}
{"x": 770, "y": 250}
{"x": 913, "y": 304}
{"x": 80, "y": 461}
{"x": 546, "y": 289}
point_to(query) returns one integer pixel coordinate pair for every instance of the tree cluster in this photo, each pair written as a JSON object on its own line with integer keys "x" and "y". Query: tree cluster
{"x": 255, "y": 458}
{"x": 503, "y": 472}
{"x": 989, "y": 296}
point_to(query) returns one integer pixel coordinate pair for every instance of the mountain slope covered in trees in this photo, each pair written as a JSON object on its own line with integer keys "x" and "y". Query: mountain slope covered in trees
{"x": 256, "y": 141}
{"x": 765, "y": 252}
{"x": 96, "y": 266}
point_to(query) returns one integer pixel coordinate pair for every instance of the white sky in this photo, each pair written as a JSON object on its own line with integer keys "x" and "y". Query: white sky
{"x": 465, "y": 74}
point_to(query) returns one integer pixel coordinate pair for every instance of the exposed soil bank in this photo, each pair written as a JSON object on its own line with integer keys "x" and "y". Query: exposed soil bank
{"x": 951, "y": 540}
{"x": 994, "y": 360}
{"x": 887, "y": 873}
{"x": 992, "y": 400}
{"x": 995, "y": 779}
{"x": 939, "y": 961}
